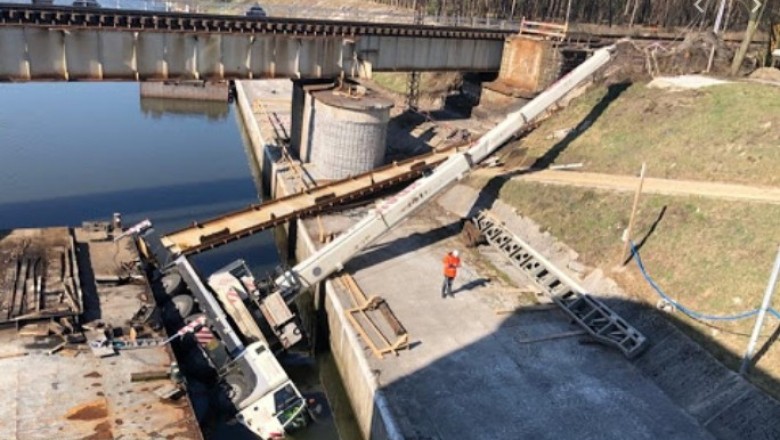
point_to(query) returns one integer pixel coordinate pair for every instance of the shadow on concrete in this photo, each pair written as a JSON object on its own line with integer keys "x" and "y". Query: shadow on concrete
{"x": 566, "y": 387}
{"x": 470, "y": 285}
{"x": 400, "y": 141}
{"x": 92, "y": 310}
{"x": 613, "y": 92}
{"x": 406, "y": 245}
{"x": 455, "y": 108}
{"x": 490, "y": 192}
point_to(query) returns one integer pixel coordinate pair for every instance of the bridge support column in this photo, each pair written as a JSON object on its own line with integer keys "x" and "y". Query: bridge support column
{"x": 528, "y": 66}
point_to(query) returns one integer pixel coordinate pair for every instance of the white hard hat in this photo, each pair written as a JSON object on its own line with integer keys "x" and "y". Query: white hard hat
{"x": 455, "y": 253}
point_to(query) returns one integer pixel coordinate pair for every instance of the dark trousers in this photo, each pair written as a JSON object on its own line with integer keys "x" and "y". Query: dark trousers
{"x": 446, "y": 288}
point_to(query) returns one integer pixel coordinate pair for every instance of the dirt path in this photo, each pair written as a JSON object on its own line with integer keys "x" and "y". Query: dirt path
{"x": 728, "y": 191}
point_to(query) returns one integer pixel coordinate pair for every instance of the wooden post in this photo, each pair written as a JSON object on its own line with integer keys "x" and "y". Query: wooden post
{"x": 627, "y": 237}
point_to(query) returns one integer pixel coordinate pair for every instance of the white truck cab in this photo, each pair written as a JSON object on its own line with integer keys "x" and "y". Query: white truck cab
{"x": 275, "y": 406}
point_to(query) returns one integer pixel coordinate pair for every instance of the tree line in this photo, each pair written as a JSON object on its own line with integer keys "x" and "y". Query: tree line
{"x": 660, "y": 13}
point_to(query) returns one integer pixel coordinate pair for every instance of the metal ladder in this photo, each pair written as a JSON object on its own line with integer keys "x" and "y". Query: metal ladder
{"x": 595, "y": 317}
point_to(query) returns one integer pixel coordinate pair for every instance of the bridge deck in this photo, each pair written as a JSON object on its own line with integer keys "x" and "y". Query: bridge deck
{"x": 129, "y": 20}
{"x": 66, "y": 44}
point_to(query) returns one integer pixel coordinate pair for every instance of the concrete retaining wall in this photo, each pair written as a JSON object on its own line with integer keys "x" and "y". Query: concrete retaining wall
{"x": 262, "y": 160}
{"x": 368, "y": 403}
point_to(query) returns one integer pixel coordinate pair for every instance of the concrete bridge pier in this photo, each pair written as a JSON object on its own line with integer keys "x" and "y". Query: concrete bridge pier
{"x": 528, "y": 66}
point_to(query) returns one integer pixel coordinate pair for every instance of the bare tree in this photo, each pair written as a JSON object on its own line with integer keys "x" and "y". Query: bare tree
{"x": 682, "y": 13}
{"x": 755, "y": 19}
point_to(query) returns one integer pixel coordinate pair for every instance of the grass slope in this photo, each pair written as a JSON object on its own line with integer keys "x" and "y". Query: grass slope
{"x": 728, "y": 133}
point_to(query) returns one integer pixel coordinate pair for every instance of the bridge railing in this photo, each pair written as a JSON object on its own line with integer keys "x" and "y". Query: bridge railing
{"x": 363, "y": 14}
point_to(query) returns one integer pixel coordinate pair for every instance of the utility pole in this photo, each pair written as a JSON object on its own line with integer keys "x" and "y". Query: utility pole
{"x": 716, "y": 31}
{"x": 756, "y": 14}
{"x": 627, "y": 237}
{"x": 770, "y": 289}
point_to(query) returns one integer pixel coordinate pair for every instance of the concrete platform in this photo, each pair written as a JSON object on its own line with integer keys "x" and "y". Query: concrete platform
{"x": 72, "y": 394}
{"x": 469, "y": 375}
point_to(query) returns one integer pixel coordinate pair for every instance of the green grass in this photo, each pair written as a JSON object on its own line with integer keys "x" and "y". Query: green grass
{"x": 394, "y": 82}
{"x": 725, "y": 133}
{"x": 430, "y": 82}
{"x": 704, "y": 252}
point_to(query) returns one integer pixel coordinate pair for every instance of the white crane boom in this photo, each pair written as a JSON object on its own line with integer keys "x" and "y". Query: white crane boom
{"x": 390, "y": 211}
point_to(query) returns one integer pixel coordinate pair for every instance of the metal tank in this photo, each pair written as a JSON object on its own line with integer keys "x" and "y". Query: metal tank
{"x": 348, "y": 132}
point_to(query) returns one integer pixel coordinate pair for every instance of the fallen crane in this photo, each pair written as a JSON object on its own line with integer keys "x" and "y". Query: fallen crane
{"x": 260, "y": 311}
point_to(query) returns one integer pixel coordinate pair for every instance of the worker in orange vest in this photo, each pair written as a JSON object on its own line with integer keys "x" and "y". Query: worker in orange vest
{"x": 451, "y": 264}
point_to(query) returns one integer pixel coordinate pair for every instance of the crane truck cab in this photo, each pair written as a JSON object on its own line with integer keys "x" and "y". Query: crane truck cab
{"x": 264, "y": 398}
{"x": 275, "y": 407}
{"x": 266, "y": 401}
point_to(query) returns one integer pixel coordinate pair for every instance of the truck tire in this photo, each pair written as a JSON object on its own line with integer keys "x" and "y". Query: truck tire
{"x": 237, "y": 388}
{"x": 184, "y": 304}
{"x": 173, "y": 284}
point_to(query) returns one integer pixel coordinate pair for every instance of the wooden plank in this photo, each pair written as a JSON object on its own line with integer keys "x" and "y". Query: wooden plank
{"x": 359, "y": 328}
{"x": 391, "y": 319}
{"x": 74, "y": 271}
{"x": 6, "y": 290}
{"x": 37, "y": 329}
{"x": 18, "y": 306}
{"x": 374, "y": 327}
{"x": 145, "y": 376}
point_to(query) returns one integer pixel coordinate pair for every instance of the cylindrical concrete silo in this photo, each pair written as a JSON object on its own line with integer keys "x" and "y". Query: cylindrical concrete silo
{"x": 348, "y": 133}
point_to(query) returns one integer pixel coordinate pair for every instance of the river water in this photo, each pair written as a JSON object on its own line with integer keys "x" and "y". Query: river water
{"x": 82, "y": 151}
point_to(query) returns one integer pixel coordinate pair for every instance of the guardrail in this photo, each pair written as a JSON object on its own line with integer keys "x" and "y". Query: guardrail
{"x": 368, "y": 15}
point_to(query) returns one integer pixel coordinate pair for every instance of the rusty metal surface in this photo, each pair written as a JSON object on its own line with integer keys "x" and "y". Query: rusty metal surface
{"x": 38, "y": 275}
{"x": 522, "y": 63}
{"x": 72, "y": 394}
{"x": 255, "y": 218}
